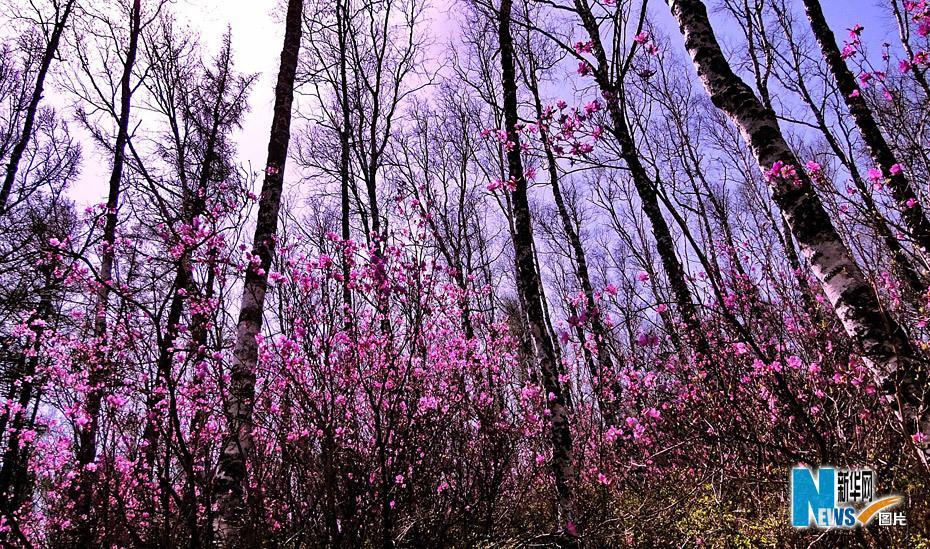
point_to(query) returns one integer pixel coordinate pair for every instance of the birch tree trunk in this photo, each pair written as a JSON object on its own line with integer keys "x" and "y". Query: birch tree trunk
{"x": 230, "y": 523}
{"x": 528, "y": 284}
{"x": 912, "y": 213}
{"x": 897, "y": 369}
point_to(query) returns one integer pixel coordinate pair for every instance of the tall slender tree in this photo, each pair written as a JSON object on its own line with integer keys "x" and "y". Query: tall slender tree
{"x": 58, "y": 23}
{"x": 528, "y": 284}
{"x": 601, "y": 366}
{"x": 896, "y": 366}
{"x": 230, "y": 524}
{"x": 912, "y": 212}
{"x": 99, "y": 366}
{"x": 610, "y": 79}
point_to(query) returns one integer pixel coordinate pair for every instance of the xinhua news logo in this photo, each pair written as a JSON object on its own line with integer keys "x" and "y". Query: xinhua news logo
{"x": 840, "y": 498}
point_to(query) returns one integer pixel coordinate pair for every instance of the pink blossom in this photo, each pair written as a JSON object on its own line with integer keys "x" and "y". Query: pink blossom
{"x": 571, "y": 529}
{"x": 583, "y": 47}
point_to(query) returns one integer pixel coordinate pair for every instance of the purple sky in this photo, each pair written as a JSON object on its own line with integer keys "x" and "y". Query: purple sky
{"x": 257, "y": 36}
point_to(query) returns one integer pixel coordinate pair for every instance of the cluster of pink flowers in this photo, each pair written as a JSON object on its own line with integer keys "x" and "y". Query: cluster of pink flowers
{"x": 851, "y": 46}
{"x": 645, "y": 40}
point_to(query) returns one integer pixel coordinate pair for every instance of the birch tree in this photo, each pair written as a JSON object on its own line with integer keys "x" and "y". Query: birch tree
{"x": 528, "y": 284}
{"x": 898, "y": 369}
{"x": 231, "y": 523}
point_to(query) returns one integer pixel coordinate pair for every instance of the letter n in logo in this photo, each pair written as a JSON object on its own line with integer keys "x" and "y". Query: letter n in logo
{"x": 810, "y": 493}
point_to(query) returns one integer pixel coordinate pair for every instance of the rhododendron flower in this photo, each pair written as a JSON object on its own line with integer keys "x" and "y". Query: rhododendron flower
{"x": 641, "y": 38}
{"x": 571, "y": 529}
{"x": 895, "y": 169}
{"x": 583, "y": 47}
{"x": 611, "y": 434}
{"x": 875, "y": 174}
{"x": 584, "y": 68}
{"x": 855, "y": 93}
{"x": 813, "y": 166}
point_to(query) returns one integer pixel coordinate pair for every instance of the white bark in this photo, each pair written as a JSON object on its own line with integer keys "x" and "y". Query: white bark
{"x": 896, "y": 366}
